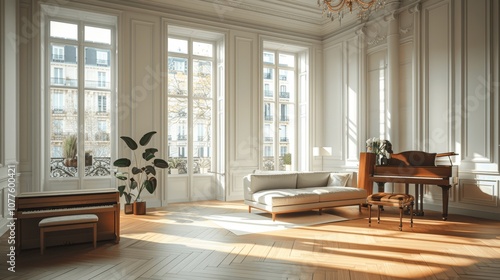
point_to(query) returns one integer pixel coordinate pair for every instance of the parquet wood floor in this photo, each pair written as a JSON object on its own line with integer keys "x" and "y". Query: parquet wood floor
{"x": 178, "y": 242}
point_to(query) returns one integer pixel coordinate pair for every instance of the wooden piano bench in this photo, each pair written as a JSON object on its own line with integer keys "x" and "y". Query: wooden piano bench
{"x": 67, "y": 223}
{"x": 400, "y": 200}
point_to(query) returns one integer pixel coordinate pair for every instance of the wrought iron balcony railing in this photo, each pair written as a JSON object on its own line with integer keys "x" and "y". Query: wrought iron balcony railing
{"x": 95, "y": 167}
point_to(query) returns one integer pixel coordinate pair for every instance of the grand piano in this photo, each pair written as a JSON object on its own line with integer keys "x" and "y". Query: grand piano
{"x": 32, "y": 207}
{"x": 410, "y": 167}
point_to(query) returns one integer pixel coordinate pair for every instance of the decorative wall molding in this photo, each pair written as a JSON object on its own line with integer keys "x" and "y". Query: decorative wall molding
{"x": 479, "y": 192}
{"x": 377, "y": 40}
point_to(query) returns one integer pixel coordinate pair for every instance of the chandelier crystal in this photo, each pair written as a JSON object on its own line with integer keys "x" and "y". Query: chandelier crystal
{"x": 338, "y": 8}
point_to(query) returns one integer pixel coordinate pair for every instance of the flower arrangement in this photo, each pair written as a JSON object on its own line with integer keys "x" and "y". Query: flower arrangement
{"x": 379, "y": 146}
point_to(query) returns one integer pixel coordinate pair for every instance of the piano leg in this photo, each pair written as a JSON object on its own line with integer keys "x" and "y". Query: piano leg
{"x": 419, "y": 195}
{"x": 381, "y": 188}
{"x": 445, "y": 201}
{"x": 407, "y": 191}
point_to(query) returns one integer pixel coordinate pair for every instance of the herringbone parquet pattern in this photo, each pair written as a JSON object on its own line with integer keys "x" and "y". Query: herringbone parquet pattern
{"x": 178, "y": 242}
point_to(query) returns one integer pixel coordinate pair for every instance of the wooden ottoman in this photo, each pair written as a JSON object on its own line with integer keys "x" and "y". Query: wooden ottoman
{"x": 400, "y": 200}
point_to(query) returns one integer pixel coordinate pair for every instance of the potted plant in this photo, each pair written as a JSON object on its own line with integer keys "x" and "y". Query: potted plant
{"x": 141, "y": 174}
{"x": 88, "y": 158}
{"x": 69, "y": 151}
{"x": 287, "y": 161}
{"x": 174, "y": 164}
{"x": 205, "y": 165}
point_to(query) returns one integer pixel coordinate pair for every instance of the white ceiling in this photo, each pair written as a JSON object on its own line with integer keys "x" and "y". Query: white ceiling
{"x": 294, "y": 17}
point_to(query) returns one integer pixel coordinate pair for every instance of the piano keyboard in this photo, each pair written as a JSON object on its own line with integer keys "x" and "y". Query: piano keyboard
{"x": 31, "y": 212}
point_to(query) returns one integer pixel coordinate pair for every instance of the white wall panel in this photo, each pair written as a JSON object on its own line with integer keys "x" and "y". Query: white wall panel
{"x": 479, "y": 192}
{"x": 140, "y": 102}
{"x": 478, "y": 151}
{"x": 203, "y": 187}
{"x": 437, "y": 69}
{"x": 145, "y": 86}
{"x": 177, "y": 190}
{"x": 9, "y": 180}
{"x": 333, "y": 99}
{"x": 245, "y": 91}
{"x": 243, "y": 129}
{"x": 351, "y": 129}
{"x": 375, "y": 93}
{"x": 407, "y": 105}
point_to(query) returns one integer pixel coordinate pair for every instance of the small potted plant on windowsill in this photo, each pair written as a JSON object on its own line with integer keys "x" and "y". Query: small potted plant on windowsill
{"x": 141, "y": 175}
{"x": 88, "y": 158}
{"x": 204, "y": 165}
{"x": 287, "y": 161}
{"x": 69, "y": 151}
{"x": 174, "y": 164}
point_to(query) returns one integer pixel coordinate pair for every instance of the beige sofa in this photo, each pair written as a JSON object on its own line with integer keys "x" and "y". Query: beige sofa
{"x": 300, "y": 191}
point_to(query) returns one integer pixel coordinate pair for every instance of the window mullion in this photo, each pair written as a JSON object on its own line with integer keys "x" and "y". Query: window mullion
{"x": 81, "y": 100}
{"x": 277, "y": 114}
{"x": 190, "y": 140}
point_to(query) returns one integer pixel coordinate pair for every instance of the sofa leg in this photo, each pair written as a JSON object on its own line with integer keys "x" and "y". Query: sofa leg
{"x": 273, "y": 216}
{"x": 249, "y": 209}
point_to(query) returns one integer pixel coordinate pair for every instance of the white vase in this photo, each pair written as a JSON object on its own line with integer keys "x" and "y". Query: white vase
{"x": 174, "y": 171}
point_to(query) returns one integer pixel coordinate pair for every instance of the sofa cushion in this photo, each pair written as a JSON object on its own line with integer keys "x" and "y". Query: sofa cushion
{"x": 280, "y": 197}
{"x": 312, "y": 179}
{"x": 339, "y": 179}
{"x": 338, "y": 193}
{"x": 261, "y": 182}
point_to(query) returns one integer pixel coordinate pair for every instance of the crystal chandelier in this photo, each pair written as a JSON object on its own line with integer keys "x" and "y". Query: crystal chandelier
{"x": 338, "y": 8}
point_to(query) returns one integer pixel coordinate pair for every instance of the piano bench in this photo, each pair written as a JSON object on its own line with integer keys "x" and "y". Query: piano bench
{"x": 400, "y": 200}
{"x": 67, "y": 223}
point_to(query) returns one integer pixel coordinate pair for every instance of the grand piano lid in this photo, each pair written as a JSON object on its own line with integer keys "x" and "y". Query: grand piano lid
{"x": 417, "y": 158}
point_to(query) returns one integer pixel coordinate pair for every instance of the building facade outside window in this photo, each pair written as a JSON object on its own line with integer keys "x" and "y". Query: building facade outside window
{"x": 80, "y": 85}
{"x": 279, "y": 130}
{"x": 190, "y": 104}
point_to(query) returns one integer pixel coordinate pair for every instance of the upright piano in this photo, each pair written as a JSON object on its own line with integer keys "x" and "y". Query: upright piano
{"x": 410, "y": 167}
{"x": 32, "y": 207}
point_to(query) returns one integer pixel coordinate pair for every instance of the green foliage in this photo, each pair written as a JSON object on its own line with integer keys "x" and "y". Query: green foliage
{"x": 287, "y": 159}
{"x": 70, "y": 146}
{"x": 174, "y": 162}
{"x": 142, "y": 174}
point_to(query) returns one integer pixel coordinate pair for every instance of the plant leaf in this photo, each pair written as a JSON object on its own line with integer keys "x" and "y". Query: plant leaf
{"x": 121, "y": 189}
{"x": 122, "y": 162}
{"x": 146, "y": 138}
{"x": 150, "y": 170}
{"x": 133, "y": 184}
{"x": 147, "y": 155}
{"x": 136, "y": 170}
{"x": 130, "y": 142}
{"x": 151, "y": 185}
{"x": 121, "y": 177}
{"x": 160, "y": 163}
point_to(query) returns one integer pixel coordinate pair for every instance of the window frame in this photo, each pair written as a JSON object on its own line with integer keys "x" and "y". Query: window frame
{"x": 75, "y": 16}
{"x": 277, "y": 111}
{"x": 189, "y": 127}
